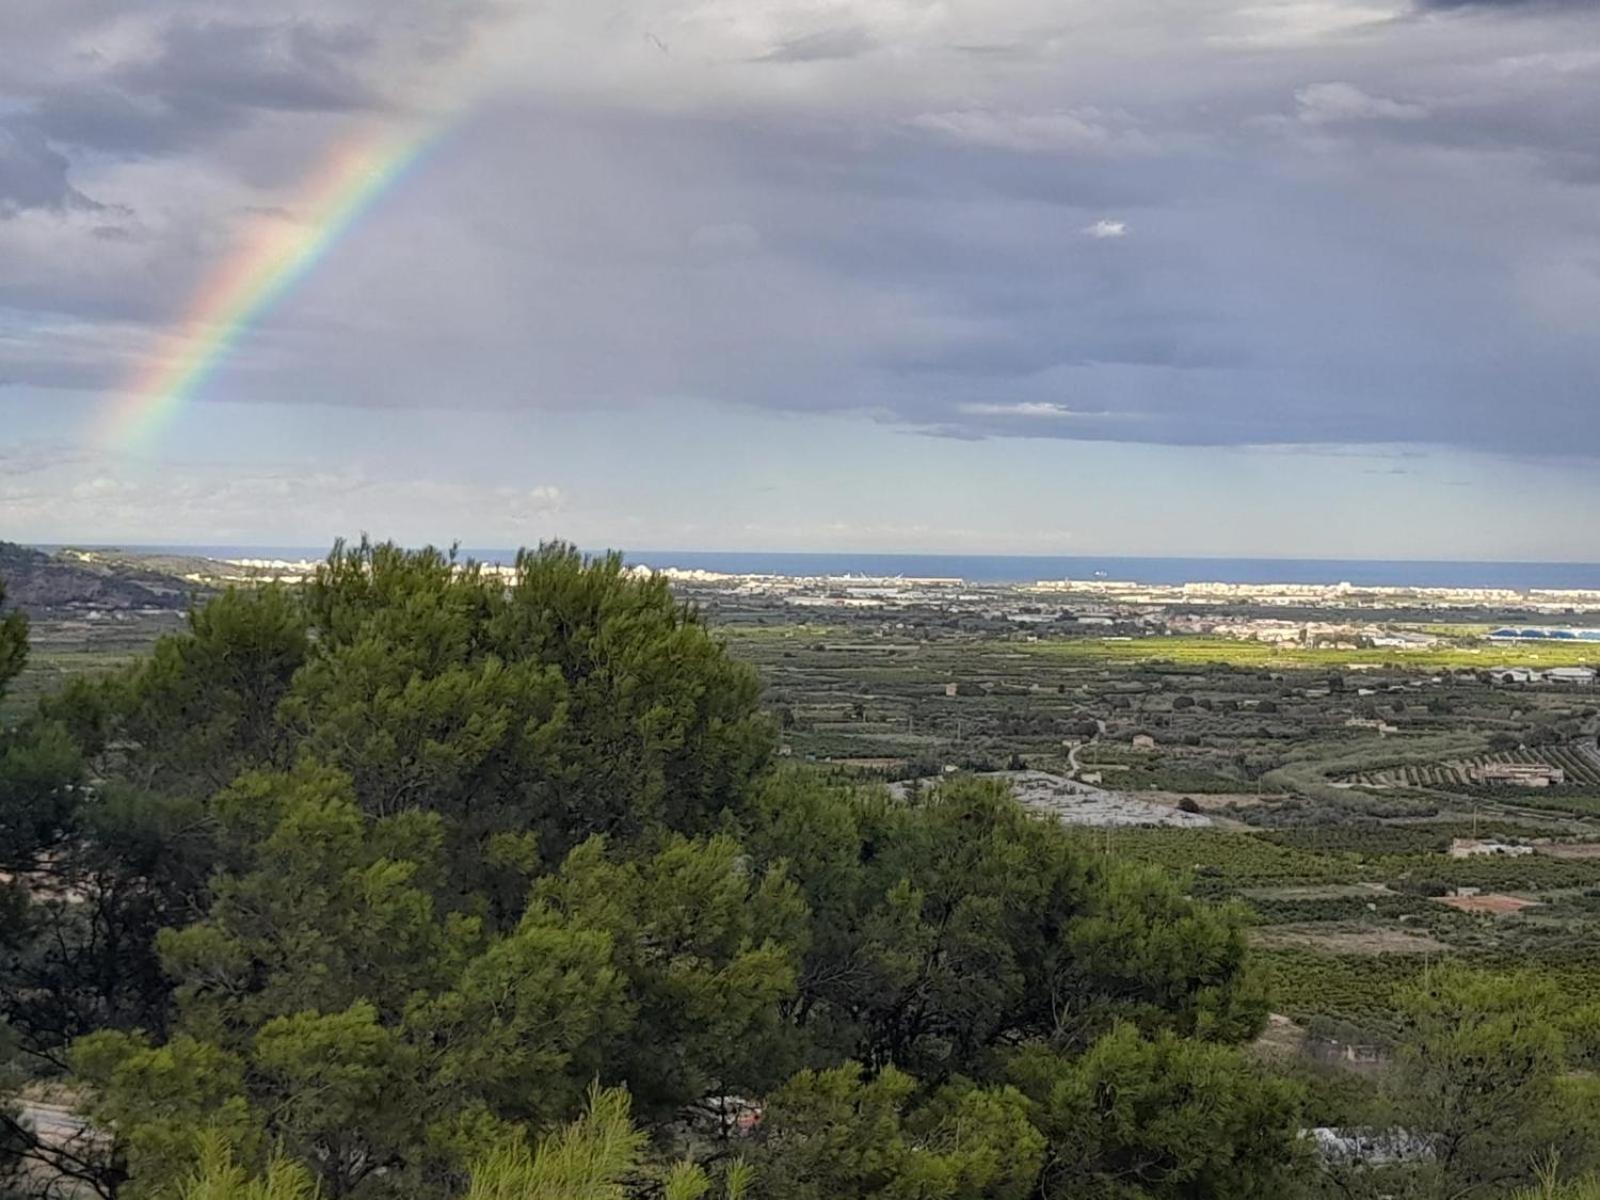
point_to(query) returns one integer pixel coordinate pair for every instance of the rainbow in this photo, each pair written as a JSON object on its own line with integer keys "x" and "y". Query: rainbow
{"x": 271, "y": 256}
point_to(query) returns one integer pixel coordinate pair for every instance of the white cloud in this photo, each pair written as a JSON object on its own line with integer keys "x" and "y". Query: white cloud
{"x": 101, "y": 497}
{"x": 1034, "y": 409}
{"x": 1328, "y": 103}
{"x": 1106, "y": 228}
{"x": 1289, "y": 23}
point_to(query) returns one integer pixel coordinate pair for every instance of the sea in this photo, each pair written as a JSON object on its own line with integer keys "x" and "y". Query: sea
{"x": 1006, "y": 568}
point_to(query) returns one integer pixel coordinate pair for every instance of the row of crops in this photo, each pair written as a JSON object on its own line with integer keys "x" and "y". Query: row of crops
{"x": 1581, "y": 767}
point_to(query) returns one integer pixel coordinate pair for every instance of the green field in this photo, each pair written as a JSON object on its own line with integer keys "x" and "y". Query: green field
{"x": 1194, "y": 650}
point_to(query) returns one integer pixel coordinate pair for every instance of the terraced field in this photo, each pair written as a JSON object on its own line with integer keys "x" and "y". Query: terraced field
{"x": 1578, "y": 763}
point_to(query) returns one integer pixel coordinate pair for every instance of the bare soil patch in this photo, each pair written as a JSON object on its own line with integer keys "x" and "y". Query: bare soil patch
{"x": 1495, "y": 905}
{"x": 1318, "y": 891}
{"x": 1569, "y": 849}
{"x": 1282, "y": 1038}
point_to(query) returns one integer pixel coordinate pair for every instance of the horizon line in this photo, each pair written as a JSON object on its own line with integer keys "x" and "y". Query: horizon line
{"x": 988, "y": 554}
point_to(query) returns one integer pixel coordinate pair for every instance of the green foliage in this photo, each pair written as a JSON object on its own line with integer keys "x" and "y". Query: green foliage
{"x": 320, "y": 909}
{"x": 220, "y": 1176}
{"x": 1223, "y": 861}
{"x": 1360, "y": 989}
{"x": 1480, "y": 1067}
{"x": 1140, "y": 1118}
{"x": 372, "y": 1026}
{"x": 578, "y": 700}
{"x": 1354, "y": 835}
{"x": 40, "y": 766}
{"x": 598, "y": 1156}
{"x": 1528, "y": 872}
{"x": 204, "y": 705}
{"x": 13, "y": 642}
{"x": 161, "y": 1100}
{"x": 1295, "y": 910}
{"x": 1158, "y": 958}
{"x": 369, "y": 1021}
{"x": 710, "y": 950}
{"x": 590, "y": 1159}
{"x": 954, "y": 923}
{"x": 836, "y": 1135}
{"x": 1552, "y": 1188}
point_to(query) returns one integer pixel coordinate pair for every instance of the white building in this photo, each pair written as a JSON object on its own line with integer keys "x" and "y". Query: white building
{"x": 1483, "y": 847}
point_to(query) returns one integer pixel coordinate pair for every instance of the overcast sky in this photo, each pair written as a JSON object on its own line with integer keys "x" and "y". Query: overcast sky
{"x": 1278, "y": 277}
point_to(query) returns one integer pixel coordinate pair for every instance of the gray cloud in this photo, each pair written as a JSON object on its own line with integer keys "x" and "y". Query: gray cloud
{"x": 33, "y": 174}
{"x": 202, "y": 78}
{"x": 1503, "y": 5}
{"x": 1324, "y": 103}
{"x": 845, "y": 42}
{"x": 1229, "y": 225}
{"x": 290, "y": 66}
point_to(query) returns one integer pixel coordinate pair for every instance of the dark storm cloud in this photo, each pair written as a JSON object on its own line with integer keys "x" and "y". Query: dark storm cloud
{"x": 203, "y": 78}
{"x": 171, "y": 76}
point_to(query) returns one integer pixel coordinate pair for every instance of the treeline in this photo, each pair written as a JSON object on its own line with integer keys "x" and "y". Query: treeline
{"x": 415, "y": 882}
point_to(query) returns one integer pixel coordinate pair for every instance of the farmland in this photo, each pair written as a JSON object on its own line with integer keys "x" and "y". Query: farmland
{"x": 1468, "y": 652}
{"x": 1320, "y": 787}
{"x": 1337, "y": 779}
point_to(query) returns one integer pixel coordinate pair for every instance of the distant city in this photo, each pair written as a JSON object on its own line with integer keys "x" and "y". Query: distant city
{"x": 1505, "y": 577}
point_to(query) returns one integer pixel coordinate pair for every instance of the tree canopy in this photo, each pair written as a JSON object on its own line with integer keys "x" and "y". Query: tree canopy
{"x": 429, "y": 880}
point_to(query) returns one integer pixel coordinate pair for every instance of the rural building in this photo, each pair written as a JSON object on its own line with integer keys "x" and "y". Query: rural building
{"x": 1533, "y": 775}
{"x": 1404, "y": 640}
{"x": 1481, "y": 847}
{"x": 1383, "y": 727}
{"x": 1362, "y": 1053}
{"x": 1143, "y": 741}
{"x": 949, "y": 689}
{"x": 1350, "y": 1054}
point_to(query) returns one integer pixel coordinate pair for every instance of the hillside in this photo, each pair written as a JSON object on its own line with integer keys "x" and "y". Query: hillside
{"x": 38, "y": 583}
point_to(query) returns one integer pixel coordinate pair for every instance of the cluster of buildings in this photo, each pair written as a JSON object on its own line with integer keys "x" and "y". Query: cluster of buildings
{"x": 1347, "y": 635}
{"x": 1311, "y": 595}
